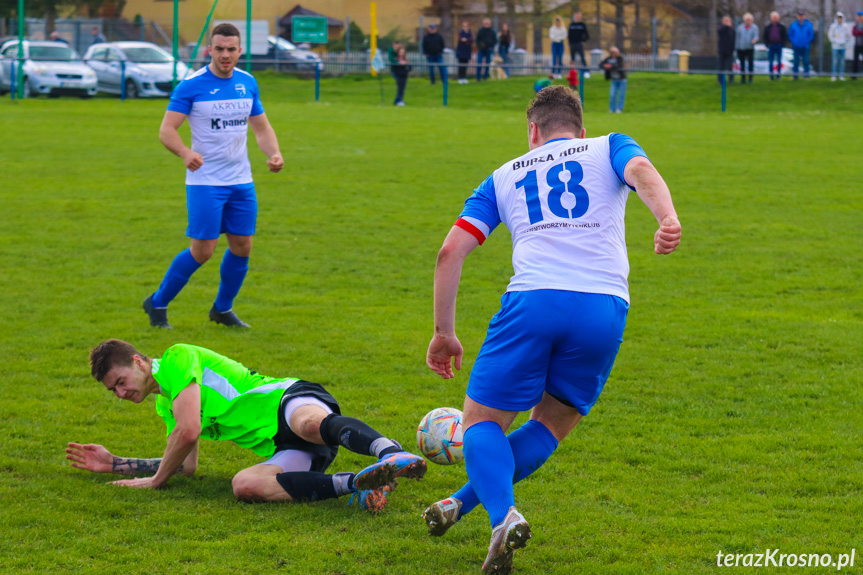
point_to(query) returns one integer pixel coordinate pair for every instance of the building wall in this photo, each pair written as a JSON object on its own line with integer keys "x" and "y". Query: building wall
{"x": 404, "y": 14}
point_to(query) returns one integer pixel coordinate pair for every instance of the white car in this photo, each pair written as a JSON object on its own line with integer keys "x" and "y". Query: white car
{"x": 761, "y": 64}
{"x": 147, "y": 69}
{"x": 51, "y": 68}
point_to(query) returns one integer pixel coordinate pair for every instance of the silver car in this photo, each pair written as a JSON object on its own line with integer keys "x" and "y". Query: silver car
{"x": 146, "y": 69}
{"x": 51, "y": 68}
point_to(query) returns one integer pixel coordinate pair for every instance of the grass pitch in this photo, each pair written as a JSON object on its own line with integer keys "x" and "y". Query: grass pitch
{"x": 731, "y": 420}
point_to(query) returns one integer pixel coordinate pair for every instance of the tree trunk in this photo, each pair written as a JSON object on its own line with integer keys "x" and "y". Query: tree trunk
{"x": 713, "y": 24}
{"x": 620, "y": 24}
{"x": 537, "y": 26}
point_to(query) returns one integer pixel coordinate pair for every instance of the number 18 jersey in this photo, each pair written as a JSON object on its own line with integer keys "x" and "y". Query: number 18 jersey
{"x": 564, "y": 204}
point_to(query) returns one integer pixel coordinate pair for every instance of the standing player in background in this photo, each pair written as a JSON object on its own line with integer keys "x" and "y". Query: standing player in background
{"x": 551, "y": 346}
{"x": 220, "y": 101}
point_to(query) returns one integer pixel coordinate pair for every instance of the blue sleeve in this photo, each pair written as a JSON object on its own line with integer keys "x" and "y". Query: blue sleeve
{"x": 480, "y": 209}
{"x": 621, "y": 149}
{"x": 182, "y": 98}
{"x": 257, "y": 107}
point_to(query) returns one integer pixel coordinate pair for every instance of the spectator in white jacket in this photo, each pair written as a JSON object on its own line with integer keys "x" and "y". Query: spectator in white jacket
{"x": 840, "y": 37}
{"x": 557, "y": 33}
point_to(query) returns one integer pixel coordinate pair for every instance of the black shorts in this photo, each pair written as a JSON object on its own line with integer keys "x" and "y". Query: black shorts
{"x": 323, "y": 455}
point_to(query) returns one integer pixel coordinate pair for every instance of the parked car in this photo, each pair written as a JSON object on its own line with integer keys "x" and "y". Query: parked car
{"x": 284, "y": 55}
{"x": 51, "y": 68}
{"x": 147, "y": 69}
{"x": 762, "y": 66}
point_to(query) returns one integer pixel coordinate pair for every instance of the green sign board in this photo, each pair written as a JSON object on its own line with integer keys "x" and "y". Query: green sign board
{"x": 309, "y": 29}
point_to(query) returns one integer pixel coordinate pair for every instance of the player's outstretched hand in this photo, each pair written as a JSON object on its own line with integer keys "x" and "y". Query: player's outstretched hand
{"x": 139, "y": 482}
{"x": 275, "y": 163}
{"x": 193, "y": 160}
{"x": 90, "y": 456}
{"x": 667, "y": 237}
{"x": 442, "y": 350}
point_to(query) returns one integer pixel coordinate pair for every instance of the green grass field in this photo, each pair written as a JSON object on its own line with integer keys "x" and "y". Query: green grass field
{"x": 731, "y": 420}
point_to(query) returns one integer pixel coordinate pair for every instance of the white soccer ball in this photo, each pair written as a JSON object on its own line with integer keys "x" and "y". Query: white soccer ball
{"x": 439, "y": 436}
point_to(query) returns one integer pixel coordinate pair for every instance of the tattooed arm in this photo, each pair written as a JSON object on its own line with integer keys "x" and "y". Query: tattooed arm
{"x": 97, "y": 459}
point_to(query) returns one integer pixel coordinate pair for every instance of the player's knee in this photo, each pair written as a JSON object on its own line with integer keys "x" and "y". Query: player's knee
{"x": 310, "y": 428}
{"x": 246, "y": 488}
{"x": 202, "y": 253}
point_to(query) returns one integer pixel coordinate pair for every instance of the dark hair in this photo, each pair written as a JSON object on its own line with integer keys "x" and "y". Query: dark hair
{"x": 225, "y": 29}
{"x": 556, "y": 109}
{"x": 110, "y": 354}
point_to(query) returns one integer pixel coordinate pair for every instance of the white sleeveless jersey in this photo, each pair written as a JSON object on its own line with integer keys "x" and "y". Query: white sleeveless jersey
{"x": 218, "y": 111}
{"x": 564, "y": 204}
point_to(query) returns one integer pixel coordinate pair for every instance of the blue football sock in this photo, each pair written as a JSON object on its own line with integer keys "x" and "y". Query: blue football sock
{"x": 233, "y": 271}
{"x": 532, "y": 444}
{"x": 179, "y": 272}
{"x": 490, "y": 466}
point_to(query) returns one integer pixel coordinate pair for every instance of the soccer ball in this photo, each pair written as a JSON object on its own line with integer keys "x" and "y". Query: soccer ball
{"x": 439, "y": 436}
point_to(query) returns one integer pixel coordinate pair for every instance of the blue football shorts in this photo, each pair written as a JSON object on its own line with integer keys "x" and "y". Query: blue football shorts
{"x": 214, "y": 210}
{"x": 560, "y": 342}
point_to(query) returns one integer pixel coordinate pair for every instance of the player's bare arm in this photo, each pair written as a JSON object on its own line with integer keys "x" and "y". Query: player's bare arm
{"x": 169, "y": 135}
{"x": 181, "y": 442}
{"x": 445, "y": 346}
{"x": 267, "y": 141}
{"x": 95, "y": 458}
{"x": 653, "y": 191}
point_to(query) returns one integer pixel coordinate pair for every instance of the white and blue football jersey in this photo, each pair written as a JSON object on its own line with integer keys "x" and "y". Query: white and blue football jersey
{"x": 564, "y": 204}
{"x": 218, "y": 111}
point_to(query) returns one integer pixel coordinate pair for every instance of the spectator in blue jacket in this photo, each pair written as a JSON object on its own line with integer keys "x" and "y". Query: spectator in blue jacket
{"x": 801, "y": 33}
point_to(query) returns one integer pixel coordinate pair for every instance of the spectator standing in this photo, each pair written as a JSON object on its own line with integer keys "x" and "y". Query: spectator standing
{"x": 801, "y": 33}
{"x": 401, "y": 69}
{"x": 98, "y": 38}
{"x": 840, "y": 37}
{"x": 745, "y": 40}
{"x": 614, "y": 71}
{"x": 433, "y": 47}
{"x": 505, "y": 43}
{"x": 557, "y": 33}
{"x": 578, "y": 35}
{"x": 857, "y": 32}
{"x": 486, "y": 39}
{"x": 393, "y": 59}
{"x": 463, "y": 51}
{"x": 775, "y": 35}
{"x": 726, "y": 40}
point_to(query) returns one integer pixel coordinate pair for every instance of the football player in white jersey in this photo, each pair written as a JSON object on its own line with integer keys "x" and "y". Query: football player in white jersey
{"x": 551, "y": 346}
{"x": 220, "y": 102}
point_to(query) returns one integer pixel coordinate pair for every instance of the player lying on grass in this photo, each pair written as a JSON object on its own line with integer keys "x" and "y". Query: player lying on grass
{"x": 296, "y": 424}
{"x": 551, "y": 346}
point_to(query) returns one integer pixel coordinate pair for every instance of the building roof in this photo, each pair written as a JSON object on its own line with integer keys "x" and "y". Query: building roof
{"x": 285, "y": 21}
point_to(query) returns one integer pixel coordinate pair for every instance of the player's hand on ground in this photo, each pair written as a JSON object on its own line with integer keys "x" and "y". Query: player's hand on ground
{"x": 442, "y": 350}
{"x": 667, "y": 237}
{"x": 275, "y": 163}
{"x": 193, "y": 160}
{"x": 90, "y": 456}
{"x": 139, "y": 482}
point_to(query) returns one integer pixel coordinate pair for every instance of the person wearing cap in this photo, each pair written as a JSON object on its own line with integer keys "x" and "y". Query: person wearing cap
{"x": 857, "y": 32}
{"x": 801, "y": 33}
{"x": 775, "y": 35}
{"x": 433, "y": 47}
{"x": 840, "y": 36}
